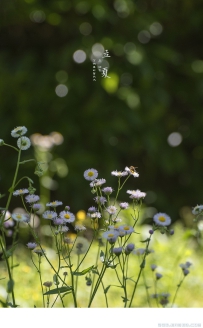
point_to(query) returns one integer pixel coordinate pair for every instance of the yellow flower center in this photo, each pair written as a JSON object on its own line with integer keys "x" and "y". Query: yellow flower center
{"x": 49, "y": 216}
{"x": 126, "y": 228}
{"x": 67, "y": 216}
{"x": 21, "y": 191}
{"x": 18, "y": 216}
{"x": 162, "y": 219}
{"x": 110, "y": 235}
{"x": 90, "y": 174}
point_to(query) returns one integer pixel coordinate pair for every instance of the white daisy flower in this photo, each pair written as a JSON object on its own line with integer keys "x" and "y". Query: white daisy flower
{"x": 116, "y": 220}
{"x": 20, "y": 192}
{"x": 97, "y": 183}
{"x": 132, "y": 171}
{"x": 54, "y": 203}
{"x": 111, "y": 209}
{"x": 50, "y": 215}
{"x": 63, "y": 229}
{"x": 162, "y": 219}
{"x": 23, "y": 143}
{"x": 79, "y": 227}
{"x": 119, "y": 173}
{"x": 111, "y": 236}
{"x": 39, "y": 251}
{"x": 107, "y": 190}
{"x": 19, "y": 217}
{"x": 19, "y": 131}
{"x": 58, "y": 221}
{"x": 32, "y": 198}
{"x": 67, "y": 216}
{"x": 90, "y": 174}
{"x": 123, "y": 205}
{"x": 95, "y": 215}
{"x": 100, "y": 200}
{"x": 125, "y": 230}
{"x": 92, "y": 209}
{"x": 136, "y": 194}
{"x": 197, "y": 209}
{"x": 31, "y": 245}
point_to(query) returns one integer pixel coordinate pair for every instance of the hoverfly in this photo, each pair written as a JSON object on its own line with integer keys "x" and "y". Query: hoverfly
{"x": 133, "y": 169}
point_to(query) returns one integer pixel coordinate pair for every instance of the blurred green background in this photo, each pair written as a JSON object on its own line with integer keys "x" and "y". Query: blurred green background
{"x": 147, "y": 114}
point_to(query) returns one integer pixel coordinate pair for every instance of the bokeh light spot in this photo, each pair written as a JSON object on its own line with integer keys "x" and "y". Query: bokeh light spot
{"x": 85, "y": 28}
{"x": 61, "y": 90}
{"x": 37, "y": 16}
{"x": 144, "y": 36}
{"x": 156, "y": 28}
{"x": 111, "y": 84}
{"x": 79, "y": 56}
{"x": 81, "y": 215}
{"x": 97, "y": 50}
{"x": 174, "y": 139}
{"x": 133, "y": 100}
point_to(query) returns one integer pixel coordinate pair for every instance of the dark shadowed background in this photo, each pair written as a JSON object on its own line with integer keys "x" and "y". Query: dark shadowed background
{"x": 147, "y": 113}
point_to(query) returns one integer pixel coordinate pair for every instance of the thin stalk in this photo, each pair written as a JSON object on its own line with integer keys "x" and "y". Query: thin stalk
{"x": 104, "y": 267}
{"x": 40, "y": 277}
{"x": 177, "y": 289}
{"x": 141, "y": 268}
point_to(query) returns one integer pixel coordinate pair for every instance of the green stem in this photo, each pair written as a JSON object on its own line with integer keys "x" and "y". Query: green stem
{"x": 40, "y": 277}
{"x": 9, "y": 271}
{"x": 178, "y": 286}
{"x": 95, "y": 267}
{"x": 142, "y": 265}
{"x": 146, "y": 288}
{"x": 104, "y": 267}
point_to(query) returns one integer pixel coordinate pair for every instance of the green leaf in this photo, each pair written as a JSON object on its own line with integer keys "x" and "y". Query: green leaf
{"x": 2, "y": 278}
{"x": 56, "y": 280}
{"x": 14, "y": 266}
{"x": 106, "y": 289}
{"x": 9, "y": 252}
{"x": 13, "y": 306}
{"x": 10, "y": 286}
{"x": 58, "y": 290}
{"x": 83, "y": 272}
{"x": 142, "y": 265}
{"x": 145, "y": 241}
{"x": 112, "y": 266}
